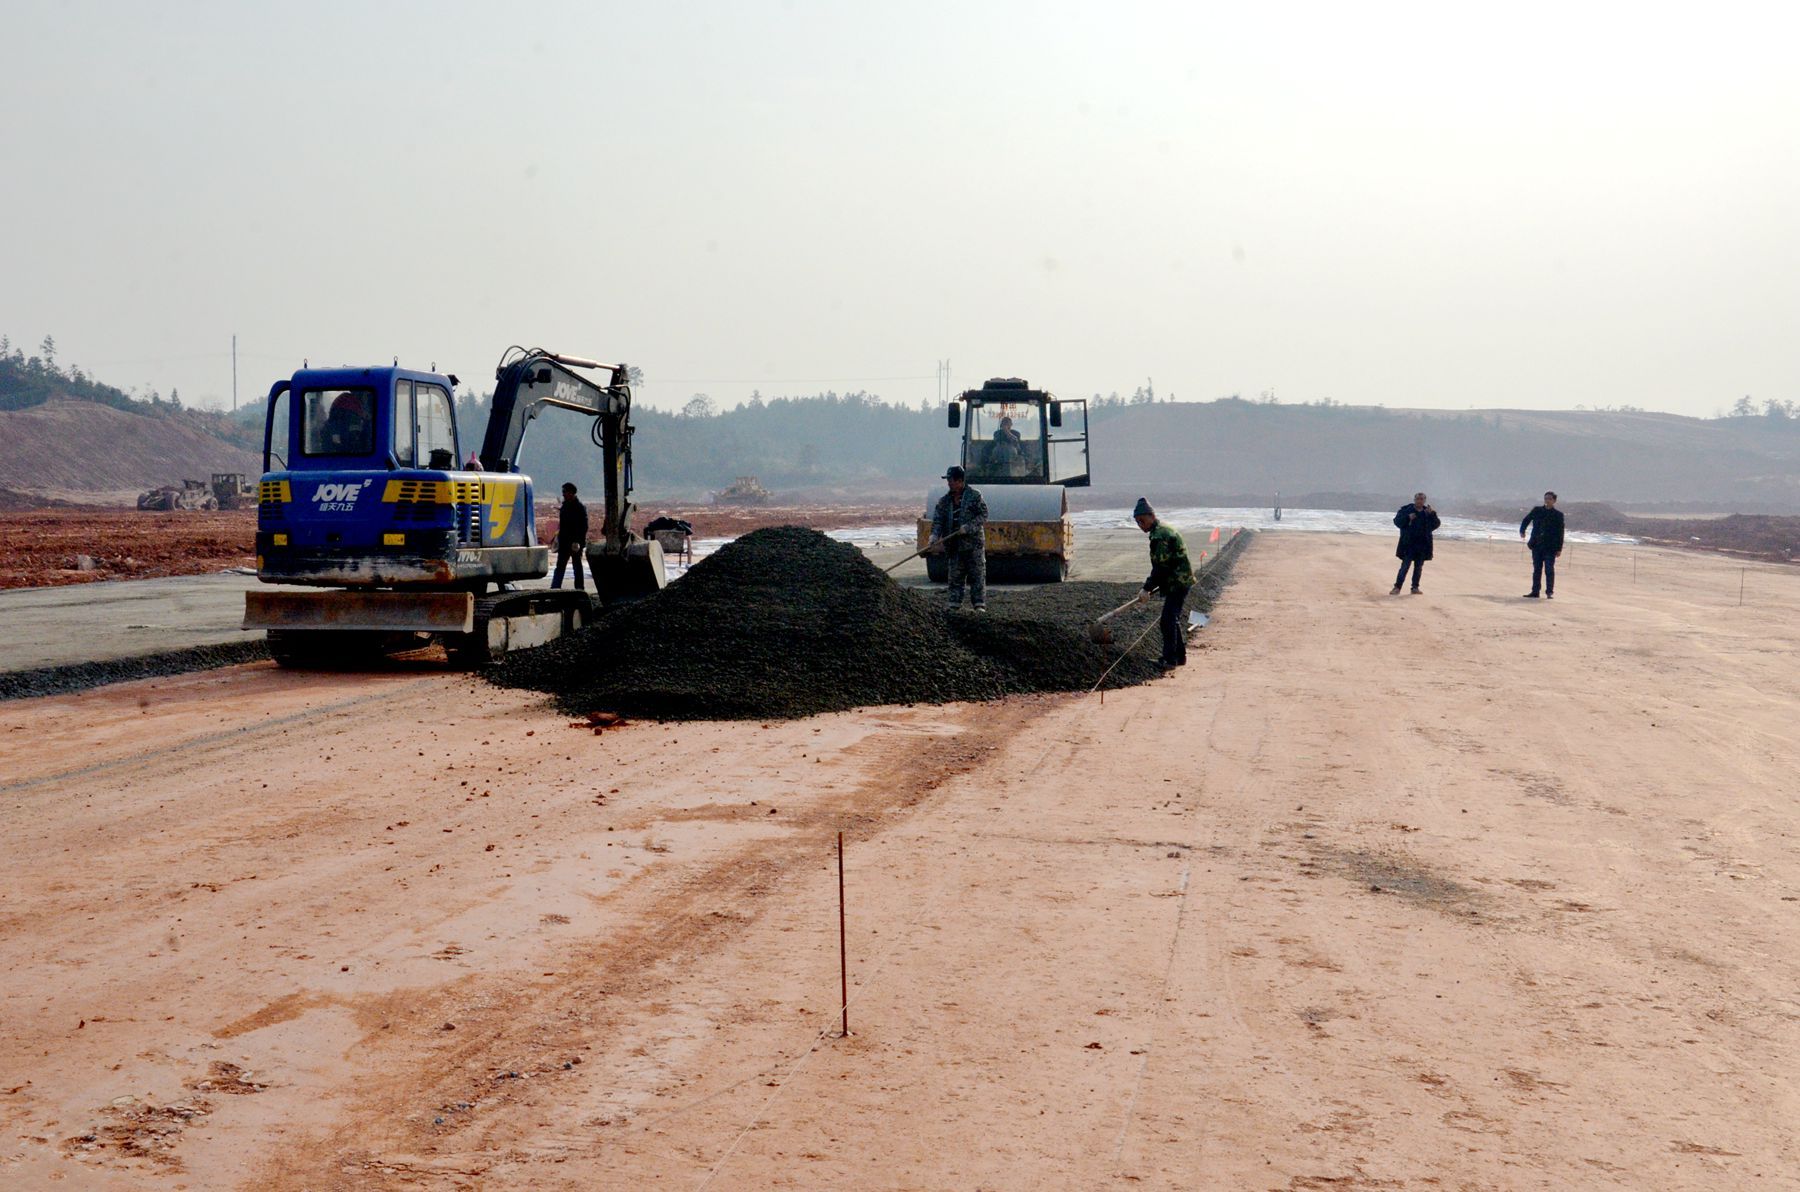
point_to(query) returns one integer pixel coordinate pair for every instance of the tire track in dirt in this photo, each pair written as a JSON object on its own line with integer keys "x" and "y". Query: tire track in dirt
{"x": 514, "y": 1043}
{"x": 197, "y": 751}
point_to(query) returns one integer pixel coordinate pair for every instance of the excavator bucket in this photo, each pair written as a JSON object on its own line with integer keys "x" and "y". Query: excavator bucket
{"x": 636, "y": 572}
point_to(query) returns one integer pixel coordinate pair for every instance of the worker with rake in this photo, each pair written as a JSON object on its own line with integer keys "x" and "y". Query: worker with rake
{"x": 958, "y": 527}
{"x": 1171, "y": 575}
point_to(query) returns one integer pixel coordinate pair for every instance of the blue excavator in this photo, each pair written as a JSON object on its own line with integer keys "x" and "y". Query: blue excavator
{"x": 376, "y": 539}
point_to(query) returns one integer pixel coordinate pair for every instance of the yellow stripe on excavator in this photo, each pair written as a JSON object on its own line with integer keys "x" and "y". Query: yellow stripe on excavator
{"x": 502, "y": 499}
{"x": 445, "y": 492}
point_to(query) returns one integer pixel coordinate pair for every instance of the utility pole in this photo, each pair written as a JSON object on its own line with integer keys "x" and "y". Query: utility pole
{"x": 234, "y": 372}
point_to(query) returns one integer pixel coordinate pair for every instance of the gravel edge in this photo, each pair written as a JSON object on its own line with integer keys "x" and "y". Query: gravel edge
{"x": 83, "y": 676}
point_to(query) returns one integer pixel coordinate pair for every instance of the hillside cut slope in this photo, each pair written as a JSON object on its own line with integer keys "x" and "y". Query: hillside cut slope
{"x": 66, "y": 447}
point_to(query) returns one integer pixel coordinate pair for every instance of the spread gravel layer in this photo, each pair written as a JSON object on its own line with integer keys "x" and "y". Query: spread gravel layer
{"x": 786, "y": 622}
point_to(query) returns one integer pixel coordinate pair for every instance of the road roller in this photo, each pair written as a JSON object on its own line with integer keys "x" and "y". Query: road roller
{"x": 1024, "y": 448}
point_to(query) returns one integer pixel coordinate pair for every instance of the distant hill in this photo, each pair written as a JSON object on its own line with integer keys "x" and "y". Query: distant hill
{"x": 70, "y": 449}
{"x": 1749, "y": 464}
{"x": 67, "y": 434}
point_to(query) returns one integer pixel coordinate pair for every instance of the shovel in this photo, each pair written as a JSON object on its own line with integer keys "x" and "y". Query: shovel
{"x": 1098, "y": 633}
{"x": 922, "y": 550}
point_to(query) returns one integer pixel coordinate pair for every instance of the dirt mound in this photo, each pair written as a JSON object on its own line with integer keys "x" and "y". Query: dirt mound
{"x": 786, "y": 622}
{"x": 86, "y": 446}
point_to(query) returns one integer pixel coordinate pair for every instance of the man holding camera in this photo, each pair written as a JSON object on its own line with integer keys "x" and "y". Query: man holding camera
{"x": 1416, "y": 522}
{"x": 1546, "y": 526}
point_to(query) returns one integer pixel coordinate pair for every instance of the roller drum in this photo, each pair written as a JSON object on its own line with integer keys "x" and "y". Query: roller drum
{"x": 1029, "y": 537}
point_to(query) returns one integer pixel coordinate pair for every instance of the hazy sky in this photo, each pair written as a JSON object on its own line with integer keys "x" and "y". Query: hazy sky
{"x": 1422, "y": 204}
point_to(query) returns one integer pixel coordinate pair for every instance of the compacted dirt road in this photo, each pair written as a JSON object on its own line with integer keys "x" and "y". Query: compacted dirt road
{"x": 1451, "y": 891}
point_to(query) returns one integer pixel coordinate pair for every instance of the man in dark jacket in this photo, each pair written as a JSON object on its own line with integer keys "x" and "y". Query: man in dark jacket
{"x": 571, "y": 536}
{"x": 1171, "y": 575}
{"x": 1416, "y": 522}
{"x": 959, "y": 527}
{"x": 1546, "y": 526}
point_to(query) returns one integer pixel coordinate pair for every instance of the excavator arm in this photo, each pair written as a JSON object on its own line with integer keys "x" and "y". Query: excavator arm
{"x": 529, "y": 381}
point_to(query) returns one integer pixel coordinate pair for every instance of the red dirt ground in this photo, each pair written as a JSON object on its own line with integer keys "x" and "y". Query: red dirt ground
{"x": 38, "y": 547}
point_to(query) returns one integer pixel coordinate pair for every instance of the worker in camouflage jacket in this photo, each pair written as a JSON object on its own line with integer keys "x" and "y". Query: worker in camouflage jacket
{"x": 959, "y": 530}
{"x": 1171, "y": 576}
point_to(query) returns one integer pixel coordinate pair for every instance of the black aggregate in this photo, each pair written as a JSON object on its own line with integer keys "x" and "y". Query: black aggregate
{"x": 787, "y": 622}
{"x": 80, "y": 676}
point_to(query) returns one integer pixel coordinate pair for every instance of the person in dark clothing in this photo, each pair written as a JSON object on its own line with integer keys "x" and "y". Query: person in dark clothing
{"x": 1546, "y": 526}
{"x": 1171, "y": 575}
{"x": 1007, "y": 452}
{"x": 959, "y": 528}
{"x": 571, "y": 536}
{"x": 1416, "y": 522}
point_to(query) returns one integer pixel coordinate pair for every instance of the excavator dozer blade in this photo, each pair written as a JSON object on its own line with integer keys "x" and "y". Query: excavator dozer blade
{"x": 417, "y": 612}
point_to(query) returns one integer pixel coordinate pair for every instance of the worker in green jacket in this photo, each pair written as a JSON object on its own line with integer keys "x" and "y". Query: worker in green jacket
{"x": 1170, "y": 575}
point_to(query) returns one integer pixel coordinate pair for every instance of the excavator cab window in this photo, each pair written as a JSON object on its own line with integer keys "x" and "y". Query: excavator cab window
{"x": 275, "y": 432}
{"x": 424, "y": 425}
{"x": 437, "y": 425}
{"x": 338, "y": 421}
{"x": 404, "y": 429}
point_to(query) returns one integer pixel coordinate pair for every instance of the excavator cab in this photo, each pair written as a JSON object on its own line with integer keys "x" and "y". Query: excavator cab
{"x": 361, "y": 490}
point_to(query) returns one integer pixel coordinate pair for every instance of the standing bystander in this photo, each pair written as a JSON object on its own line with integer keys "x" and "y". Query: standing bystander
{"x": 1416, "y": 522}
{"x": 1546, "y": 526}
{"x": 571, "y": 535}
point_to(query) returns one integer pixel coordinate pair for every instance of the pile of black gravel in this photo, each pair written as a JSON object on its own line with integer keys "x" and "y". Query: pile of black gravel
{"x": 782, "y": 622}
{"x": 787, "y": 622}
{"x": 1038, "y": 637}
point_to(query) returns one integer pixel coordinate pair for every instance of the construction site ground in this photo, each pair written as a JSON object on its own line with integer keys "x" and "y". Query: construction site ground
{"x": 42, "y": 547}
{"x": 1457, "y": 890}
{"x": 127, "y": 620}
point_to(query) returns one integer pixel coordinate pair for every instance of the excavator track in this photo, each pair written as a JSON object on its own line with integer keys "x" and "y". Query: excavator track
{"x": 507, "y": 621}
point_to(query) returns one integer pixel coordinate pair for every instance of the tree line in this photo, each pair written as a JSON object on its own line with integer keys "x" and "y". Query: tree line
{"x": 31, "y": 380}
{"x": 819, "y": 441}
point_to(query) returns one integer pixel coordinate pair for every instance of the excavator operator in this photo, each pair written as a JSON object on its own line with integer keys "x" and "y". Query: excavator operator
{"x": 348, "y": 428}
